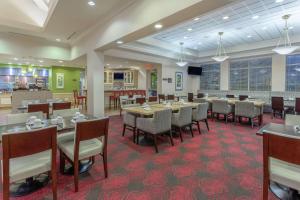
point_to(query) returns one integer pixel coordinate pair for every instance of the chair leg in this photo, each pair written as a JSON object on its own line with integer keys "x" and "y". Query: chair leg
{"x": 134, "y": 134}
{"x": 138, "y": 136}
{"x": 206, "y": 122}
{"x": 76, "y": 172}
{"x": 171, "y": 138}
{"x": 252, "y": 124}
{"x": 124, "y": 128}
{"x": 54, "y": 183}
{"x": 226, "y": 118}
{"x": 155, "y": 142}
{"x": 5, "y": 187}
{"x": 104, "y": 157}
{"x": 191, "y": 129}
{"x": 62, "y": 162}
{"x": 180, "y": 133}
{"x": 265, "y": 189}
{"x": 198, "y": 126}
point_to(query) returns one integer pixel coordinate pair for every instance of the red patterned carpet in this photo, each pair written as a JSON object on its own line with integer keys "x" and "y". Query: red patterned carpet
{"x": 225, "y": 163}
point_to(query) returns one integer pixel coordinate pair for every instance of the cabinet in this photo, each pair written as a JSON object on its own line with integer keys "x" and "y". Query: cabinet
{"x": 108, "y": 77}
{"x": 129, "y": 77}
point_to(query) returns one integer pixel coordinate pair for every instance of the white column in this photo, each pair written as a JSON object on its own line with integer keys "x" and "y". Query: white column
{"x": 224, "y": 75}
{"x": 95, "y": 83}
{"x": 278, "y": 72}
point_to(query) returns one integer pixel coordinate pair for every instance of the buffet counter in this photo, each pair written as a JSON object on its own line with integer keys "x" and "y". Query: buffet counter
{"x": 108, "y": 93}
{"x": 5, "y": 100}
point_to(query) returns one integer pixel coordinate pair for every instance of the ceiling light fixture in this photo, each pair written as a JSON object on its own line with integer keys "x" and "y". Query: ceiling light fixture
{"x": 158, "y": 26}
{"x": 60, "y": 61}
{"x": 120, "y": 42}
{"x": 255, "y": 17}
{"x": 189, "y": 29}
{"x": 196, "y": 19}
{"x": 285, "y": 47}
{"x": 41, "y": 61}
{"x": 249, "y": 36}
{"x": 279, "y": 1}
{"x": 91, "y": 3}
{"x": 221, "y": 53}
{"x": 16, "y": 58}
{"x": 181, "y": 62}
{"x": 185, "y": 37}
{"x": 58, "y": 40}
{"x": 226, "y": 17}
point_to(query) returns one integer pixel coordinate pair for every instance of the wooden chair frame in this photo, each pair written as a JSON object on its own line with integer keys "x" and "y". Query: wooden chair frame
{"x": 44, "y": 107}
{"x": 61, "y": 106}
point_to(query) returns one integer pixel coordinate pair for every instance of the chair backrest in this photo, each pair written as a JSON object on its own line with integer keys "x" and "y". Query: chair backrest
{"x": 140, "y": 100}
{"x": 75, "y": 93}
{"x": 171, "y": 97}
{"x": 292, "y": 120}
{"x": 161, "y": 97}
{"x": 185, "y": 114}
{"x": 200, "y": 95}
{"x": 277, "y": 103}
{"x": 297, "y": 105}
{"x": 22, "y": 117}
{"x": 229, "y": 96}
{"x": 244, "y": 108}
{"x": 152, "y": 99}
{"x": 280, "y": 147}
{"x": 243, "y": 97}
{"x": 190, "y": 97}
{"x": 163, "y": 119}
{"x": 44, "y": 107}
{"x": 137, "y": 96}
{"x": 65, "y": 112}
{"x": 200, "y": 112}
{"x": 61, "y": 106}
{"x": 219, "y": 105}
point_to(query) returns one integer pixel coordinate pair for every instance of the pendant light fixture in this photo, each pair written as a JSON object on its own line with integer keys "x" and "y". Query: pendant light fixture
{"x": 221, "y": 53}
{"x": 181, "y": 62}
{"x": 285, "y": 47}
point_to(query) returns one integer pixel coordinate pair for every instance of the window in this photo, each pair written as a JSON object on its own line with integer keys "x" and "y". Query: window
{"x": 210, "y": 78}
{"x": 252, "y": 75}
{"x": 293, "y": 73}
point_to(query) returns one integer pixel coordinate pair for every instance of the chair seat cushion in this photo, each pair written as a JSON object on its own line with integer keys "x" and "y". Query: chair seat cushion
{"x": 287, "y": 174}
{"x": 87, "y": 148}
{"x": 65, "y": 137}
{"x": 28, "y": 166}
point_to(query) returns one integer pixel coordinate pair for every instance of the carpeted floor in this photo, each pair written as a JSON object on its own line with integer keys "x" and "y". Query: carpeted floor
{"x": 224, "y": 163}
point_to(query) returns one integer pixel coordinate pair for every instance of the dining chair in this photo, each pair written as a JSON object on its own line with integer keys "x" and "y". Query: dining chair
{"x": 65, "y": 112}
{"x": 183, "y": 119}
{"x": 61, "y": 106}
{"x": 200, "y": 95}
{"x": 200, "y": 114}
{"x": 129, "y": 123}
{"x": 123, "y": 102}
{"x": 190, "y": 97}
{"x": 243, "y": 97}
{"x": 281, "y": 161}
{"x": 152, "y": 99}
{"x": 222, "y": 107}
{"x": 246, "y": 109}
{"x": 230, "y": 96}
{"x": 44, "y": 107}
{"x": 28, "y": 154}
{"x": 171, "y": 97}
{"x": 79, "y": 99}
{"x": 297, "y": 106}
{"x": 19, "y": 118}
{"x": 278, "y": 106}
{"x": 161, "y": 97}
{"x": 140, "y": 100}
{"x": 90, "y": 140}
{"x": 292, "y": 120}
{"x": 158, "y": 125}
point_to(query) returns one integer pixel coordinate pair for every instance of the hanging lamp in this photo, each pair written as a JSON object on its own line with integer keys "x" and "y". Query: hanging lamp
{"x": 221, "y": 53}
{"x": 285, "y": 47}
{"x": 181, "y": 62}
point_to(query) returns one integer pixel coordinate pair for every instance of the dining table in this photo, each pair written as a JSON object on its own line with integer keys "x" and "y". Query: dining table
{"x": 281, "y": 191}
{"x": 33, "y": 184}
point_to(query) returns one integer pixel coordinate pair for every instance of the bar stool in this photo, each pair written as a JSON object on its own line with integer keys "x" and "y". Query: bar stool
{"x": 79, "y": 100}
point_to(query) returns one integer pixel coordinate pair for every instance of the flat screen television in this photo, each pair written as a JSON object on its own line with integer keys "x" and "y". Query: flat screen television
{"x": 194, "y": 71}
{"x": 118, "y": 76}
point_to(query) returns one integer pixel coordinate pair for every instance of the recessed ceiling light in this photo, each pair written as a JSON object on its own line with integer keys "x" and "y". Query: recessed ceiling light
{"x": 196, "y": 19}
{"x": 41, "y": 61}
{"x": 226, "y": 17}
{"x": 60, "y": 61}
{"x": 291, "y": 27}
{"x": 16, "y": 58}
{"x": 255, "y": 17}
{"x": 279, "y": 1}
{"x": 57, "y": 39}
{"x": 107, "y": 64}
{"x": 120, "y": 42}
{"x": 91, "y": 3}
{"x": 189, "y": 29}
{"x": 185, "y": 37}
{"x": 264, "y": 28}
{"x": 249, "y": 36}
{"x": 158, "y": 26}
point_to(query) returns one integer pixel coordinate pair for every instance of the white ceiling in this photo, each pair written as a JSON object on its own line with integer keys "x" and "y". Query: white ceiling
{"x": 239, "y": 28}
{"x": 69, "y": 19}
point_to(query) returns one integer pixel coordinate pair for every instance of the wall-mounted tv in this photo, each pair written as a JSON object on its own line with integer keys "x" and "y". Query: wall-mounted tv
{"x": 118, "y": 76}
{"x": 195, "y": 71}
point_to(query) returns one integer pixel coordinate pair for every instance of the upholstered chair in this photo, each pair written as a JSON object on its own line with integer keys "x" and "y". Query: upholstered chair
{"x": 123, "y": 103}
{"x": 158, "y": 125}
{"x": 182, "y": 119}
{"x": 222, "y": 107}
{"x": 65, "y": 112}
{"x": 22, "y": 117}
{"x": 246, "y": 109}
{"x": 200, "y": 114}
{"x": 292, "y": 120}
{"x": 129, "y": 123}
